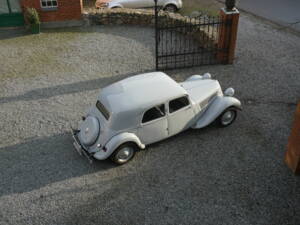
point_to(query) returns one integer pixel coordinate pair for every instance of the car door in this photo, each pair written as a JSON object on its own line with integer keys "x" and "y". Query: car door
{"x": 135, "y": 3}
{"x": 148, "y": 3}
{"x": 154, "y": 125}
{"x": 161, "y": 2}
{"x": 180, "y": 115}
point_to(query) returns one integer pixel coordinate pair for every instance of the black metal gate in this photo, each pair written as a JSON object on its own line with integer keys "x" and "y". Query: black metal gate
{"x": 186, "y": 42}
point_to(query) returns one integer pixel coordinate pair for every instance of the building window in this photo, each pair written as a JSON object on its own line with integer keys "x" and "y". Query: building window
{"x": 49, "y": 3}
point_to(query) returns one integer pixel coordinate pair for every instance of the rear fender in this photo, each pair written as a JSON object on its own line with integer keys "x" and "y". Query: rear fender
{"x": 115, "y": 142}
{"x": 172, "y": 2}
{"x": 112, "y": 5}
{"x": 215, "y": 109}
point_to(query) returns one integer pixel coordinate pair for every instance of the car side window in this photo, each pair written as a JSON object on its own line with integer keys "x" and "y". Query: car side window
{"x": 178, "y": 103}
{"x": 154, "y": 113}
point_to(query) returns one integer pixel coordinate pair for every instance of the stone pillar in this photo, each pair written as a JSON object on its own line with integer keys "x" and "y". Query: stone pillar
{"x": 228, "y": 35}
{"x": 292, "y": 155}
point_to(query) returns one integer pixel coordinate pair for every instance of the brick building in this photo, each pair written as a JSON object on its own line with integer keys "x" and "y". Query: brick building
{"x": 11, "y": 11}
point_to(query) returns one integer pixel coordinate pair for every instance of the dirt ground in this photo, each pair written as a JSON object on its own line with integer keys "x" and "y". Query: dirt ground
{"x": 210, "y": 7}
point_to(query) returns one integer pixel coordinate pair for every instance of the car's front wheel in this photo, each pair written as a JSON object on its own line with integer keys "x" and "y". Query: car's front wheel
{"x": 227, "y": 117}
{"x": 124, "y": 153}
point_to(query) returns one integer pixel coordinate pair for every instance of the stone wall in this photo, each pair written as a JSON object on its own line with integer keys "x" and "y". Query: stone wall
{"x": 120, "y": 16}
{"x": 146, "y": 18}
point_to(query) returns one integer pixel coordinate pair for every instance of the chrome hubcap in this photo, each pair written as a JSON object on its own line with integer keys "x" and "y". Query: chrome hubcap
{"x": 124, "y": 154}
{"x": 227, "y": 117}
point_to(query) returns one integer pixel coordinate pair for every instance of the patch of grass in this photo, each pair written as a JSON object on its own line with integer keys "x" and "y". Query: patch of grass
{"x": 210, "y": 7}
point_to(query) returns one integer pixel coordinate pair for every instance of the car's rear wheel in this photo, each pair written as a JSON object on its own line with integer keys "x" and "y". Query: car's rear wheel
{"x": 227, "y": 117}
{"x": 170, "y": 8}
{"x": 124, "y": 153}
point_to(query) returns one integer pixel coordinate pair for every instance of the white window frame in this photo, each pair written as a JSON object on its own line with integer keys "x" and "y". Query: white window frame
{"x": 50, "y": 6}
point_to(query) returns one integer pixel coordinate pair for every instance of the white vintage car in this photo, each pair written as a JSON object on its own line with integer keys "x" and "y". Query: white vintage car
{"x": 169, "y": 5}
{"x": 143, "y": 109}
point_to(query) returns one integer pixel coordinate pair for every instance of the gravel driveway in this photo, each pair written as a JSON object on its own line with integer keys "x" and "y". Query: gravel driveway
{"x": 234, "y": 175}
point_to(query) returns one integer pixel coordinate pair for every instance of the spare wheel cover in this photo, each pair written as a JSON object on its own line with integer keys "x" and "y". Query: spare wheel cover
{"x": 89, "y": 130}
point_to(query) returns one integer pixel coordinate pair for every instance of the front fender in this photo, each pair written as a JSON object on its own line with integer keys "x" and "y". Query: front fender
{"x": 115, "y": 142}
{"x": 215, "y": 109}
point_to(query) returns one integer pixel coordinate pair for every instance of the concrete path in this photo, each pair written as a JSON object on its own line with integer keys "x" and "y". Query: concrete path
{"x": 283, "y": 12}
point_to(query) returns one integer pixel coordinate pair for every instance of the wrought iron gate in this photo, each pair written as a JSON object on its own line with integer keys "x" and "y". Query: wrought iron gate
{"x": 186, "y": 42}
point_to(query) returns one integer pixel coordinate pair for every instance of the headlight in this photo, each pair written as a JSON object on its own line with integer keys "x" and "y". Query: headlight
{"x": 206, "y": 76}
{"x": 229, "y": 92}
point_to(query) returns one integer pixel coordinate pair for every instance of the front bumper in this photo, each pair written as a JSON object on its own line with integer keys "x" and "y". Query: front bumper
{"x": 79, "y": 148}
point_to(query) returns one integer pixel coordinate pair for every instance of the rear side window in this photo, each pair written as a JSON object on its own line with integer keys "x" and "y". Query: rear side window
{"x": 178, "y": 103}
{"x": 103, "y": 110}
{"x": 154, "y": 113}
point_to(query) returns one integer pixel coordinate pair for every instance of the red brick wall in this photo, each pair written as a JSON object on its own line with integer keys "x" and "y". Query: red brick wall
{"x": 66, "y": 10}
{"x": 292, "y": 156}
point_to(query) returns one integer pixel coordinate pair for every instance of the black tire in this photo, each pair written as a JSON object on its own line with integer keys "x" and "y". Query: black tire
{"x": 171, "y": 8}
{"x": 115, "y": 157}
{"x": 225, "y": 122}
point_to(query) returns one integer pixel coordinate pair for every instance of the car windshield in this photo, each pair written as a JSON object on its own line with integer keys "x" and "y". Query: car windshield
{"x": 103, "y": 110}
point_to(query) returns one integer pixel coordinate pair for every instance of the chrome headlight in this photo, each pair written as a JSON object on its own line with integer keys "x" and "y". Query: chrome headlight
{"x": 206, "y": 76}
{"x": 229, "y": 92}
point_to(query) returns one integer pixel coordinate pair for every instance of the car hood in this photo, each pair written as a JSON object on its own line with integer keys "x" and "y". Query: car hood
{"x": 200, "y": 90}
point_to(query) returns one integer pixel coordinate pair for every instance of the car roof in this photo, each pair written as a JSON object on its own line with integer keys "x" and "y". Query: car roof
{"x": 140, "y": 92}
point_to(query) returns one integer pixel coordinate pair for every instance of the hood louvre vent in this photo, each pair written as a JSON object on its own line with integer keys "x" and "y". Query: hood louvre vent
{"x": 204, "y": 103}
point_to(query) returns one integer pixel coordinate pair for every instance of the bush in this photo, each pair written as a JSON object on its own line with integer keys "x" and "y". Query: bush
{"x": 32, "y": 16}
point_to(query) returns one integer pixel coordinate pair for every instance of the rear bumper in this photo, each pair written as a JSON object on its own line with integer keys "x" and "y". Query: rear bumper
{"x": 78, "y": 146}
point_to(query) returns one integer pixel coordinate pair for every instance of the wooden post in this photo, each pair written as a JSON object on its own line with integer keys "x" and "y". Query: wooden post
{"x": 228, "y": 35}
{"x": 292, "y": 155}
{"x": 81, "y": 5}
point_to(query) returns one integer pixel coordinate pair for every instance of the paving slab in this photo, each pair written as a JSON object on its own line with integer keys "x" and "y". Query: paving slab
{"x": 285, "y": 13}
